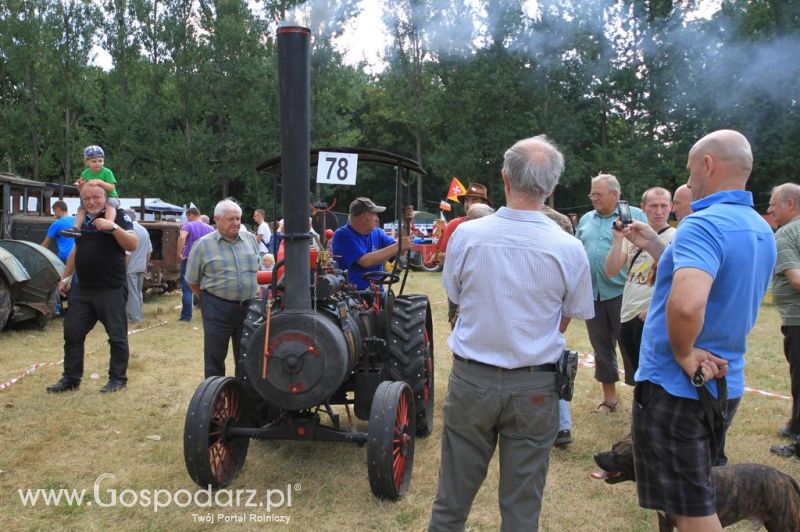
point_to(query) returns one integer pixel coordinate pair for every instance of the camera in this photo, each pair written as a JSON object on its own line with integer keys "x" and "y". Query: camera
{"x": 624, "y": 213}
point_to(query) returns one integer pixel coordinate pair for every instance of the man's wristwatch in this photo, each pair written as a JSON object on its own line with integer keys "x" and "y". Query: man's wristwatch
{"x": 698, "y": 380}
{"x": 114, "y": 227}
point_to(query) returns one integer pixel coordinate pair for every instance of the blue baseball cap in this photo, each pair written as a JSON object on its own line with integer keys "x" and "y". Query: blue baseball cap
{"x": 90, "y": 152}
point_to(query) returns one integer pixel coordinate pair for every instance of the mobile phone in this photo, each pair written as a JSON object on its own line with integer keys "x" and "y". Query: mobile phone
{"x": 624, "y": 213}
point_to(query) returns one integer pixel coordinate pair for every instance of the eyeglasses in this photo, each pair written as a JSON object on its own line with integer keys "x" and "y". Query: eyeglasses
{"x": 594, "y": 195}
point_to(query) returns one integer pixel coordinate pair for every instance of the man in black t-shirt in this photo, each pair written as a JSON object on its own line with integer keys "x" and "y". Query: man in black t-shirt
{"x": 98, "y": 257}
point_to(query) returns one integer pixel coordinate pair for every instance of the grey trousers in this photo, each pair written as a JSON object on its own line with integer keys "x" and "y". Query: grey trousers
{"x": 483, "y": 405}
{"x": 603, "y": 332}
{"x": 135, "y": 304}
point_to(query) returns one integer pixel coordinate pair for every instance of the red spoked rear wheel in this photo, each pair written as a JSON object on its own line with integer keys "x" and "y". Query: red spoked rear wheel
{"x": 212, "y": 456}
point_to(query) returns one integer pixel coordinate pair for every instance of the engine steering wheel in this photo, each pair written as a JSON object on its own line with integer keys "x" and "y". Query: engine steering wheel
{"x": 381, "y": 277}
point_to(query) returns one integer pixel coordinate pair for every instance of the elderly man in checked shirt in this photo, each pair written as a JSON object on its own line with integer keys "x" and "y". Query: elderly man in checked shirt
{"x": 518, "y": 278}
{"x": 222, "y": 269}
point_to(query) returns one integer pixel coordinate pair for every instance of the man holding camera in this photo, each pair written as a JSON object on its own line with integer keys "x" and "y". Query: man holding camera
{"x": 640, "y": 268}
{"x": 502, "y": 388}
{"x": 784, "y": 206}
{"x": 595, "y": 232}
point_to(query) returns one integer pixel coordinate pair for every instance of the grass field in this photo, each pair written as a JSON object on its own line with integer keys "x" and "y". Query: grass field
{"x": 136, "y": 437}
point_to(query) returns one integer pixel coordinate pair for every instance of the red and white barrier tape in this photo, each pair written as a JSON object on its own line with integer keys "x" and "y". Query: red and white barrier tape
{"x": 33, "y": 368}
{"x": 27, "y": 372}
{"x": 587, "y": 360}
{"x": 159, "y": 324}
{"x": 765, "y": 393}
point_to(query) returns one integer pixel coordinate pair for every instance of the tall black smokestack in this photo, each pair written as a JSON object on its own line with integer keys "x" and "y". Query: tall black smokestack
{"x": 294, "y": 77}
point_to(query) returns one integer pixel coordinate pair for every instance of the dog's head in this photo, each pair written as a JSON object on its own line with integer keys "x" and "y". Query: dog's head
{"x": 616, "y": 464}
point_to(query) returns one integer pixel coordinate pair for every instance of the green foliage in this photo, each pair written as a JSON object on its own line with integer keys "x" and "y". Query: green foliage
{"x": 189, "y": 107}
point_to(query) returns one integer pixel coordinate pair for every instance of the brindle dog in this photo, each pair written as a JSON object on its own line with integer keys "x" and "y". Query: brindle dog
{"x": 756, "y": 492}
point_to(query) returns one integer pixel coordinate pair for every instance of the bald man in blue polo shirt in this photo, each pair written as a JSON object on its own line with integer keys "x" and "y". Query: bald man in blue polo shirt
{"x": 709, "y": 286}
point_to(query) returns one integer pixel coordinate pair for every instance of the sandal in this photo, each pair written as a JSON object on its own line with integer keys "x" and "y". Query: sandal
{"x": 610, "y": 408}
{"x": 784, "y": 450}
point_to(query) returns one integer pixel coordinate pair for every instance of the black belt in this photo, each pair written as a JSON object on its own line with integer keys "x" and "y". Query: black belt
{"x": 241, "y": 303}
{"x": 551, "y": 368}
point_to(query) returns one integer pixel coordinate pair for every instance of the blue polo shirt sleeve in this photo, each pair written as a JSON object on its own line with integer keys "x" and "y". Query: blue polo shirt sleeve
{"x": 347, "y": 248}
{"x": 383, "y": 239}
{"x": 698, "y": 245}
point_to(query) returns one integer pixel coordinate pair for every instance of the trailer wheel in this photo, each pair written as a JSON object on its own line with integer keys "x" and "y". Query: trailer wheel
{"x": 428, "y": 261}
{"x": 42, "y": 320}
{"x": 390, "y": 445}
{"x": 5, "y": 302}
{"x": 431, "y": 267}
{"x": 424, "y": 259}
{"x": 411, "y": 354}
{"x": 212, "y": 457}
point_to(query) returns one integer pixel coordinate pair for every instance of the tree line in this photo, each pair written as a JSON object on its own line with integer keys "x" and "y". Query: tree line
{"x": 189, "y": 106}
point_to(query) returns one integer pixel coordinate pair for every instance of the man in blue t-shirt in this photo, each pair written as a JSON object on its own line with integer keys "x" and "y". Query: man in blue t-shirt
{"x": 63, "y": 221}
{"x": 361, "y": 246}
{"x": 64, "y": 244}
{"x": 709, "y": 286}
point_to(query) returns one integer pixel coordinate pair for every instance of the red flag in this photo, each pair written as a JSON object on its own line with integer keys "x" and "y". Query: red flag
{"x": 456, "y": 188}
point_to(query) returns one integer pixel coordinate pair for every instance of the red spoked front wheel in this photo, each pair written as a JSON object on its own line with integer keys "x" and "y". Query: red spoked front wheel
{"x": 390, "y": 446}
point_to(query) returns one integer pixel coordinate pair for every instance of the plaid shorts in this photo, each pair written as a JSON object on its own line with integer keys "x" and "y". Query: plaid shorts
{"x": 672, "y": 453}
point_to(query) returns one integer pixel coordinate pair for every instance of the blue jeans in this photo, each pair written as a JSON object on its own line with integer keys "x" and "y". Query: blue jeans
{"x": 564, "y": 416}
{"x": 223, "y": 322}
{"x": 186, "y": 295}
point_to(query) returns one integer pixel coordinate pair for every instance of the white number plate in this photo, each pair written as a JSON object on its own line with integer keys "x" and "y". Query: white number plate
{"x": 336, "y": 168}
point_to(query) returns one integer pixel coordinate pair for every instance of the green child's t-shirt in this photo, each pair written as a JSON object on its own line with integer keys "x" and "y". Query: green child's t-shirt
{"x": 105, "y": 175}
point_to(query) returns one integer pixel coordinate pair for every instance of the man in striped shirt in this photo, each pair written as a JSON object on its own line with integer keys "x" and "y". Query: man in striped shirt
{"x": 784, "y": 206}
{"x": 518, "y": 278}
{"x": 222, "y": 269}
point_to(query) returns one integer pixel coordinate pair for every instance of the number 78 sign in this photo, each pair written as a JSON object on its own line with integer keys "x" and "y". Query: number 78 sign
{"x": 335, "y": 168}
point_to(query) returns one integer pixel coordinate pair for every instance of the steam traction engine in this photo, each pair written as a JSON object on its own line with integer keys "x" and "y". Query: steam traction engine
{"x": 317, "y": 341}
